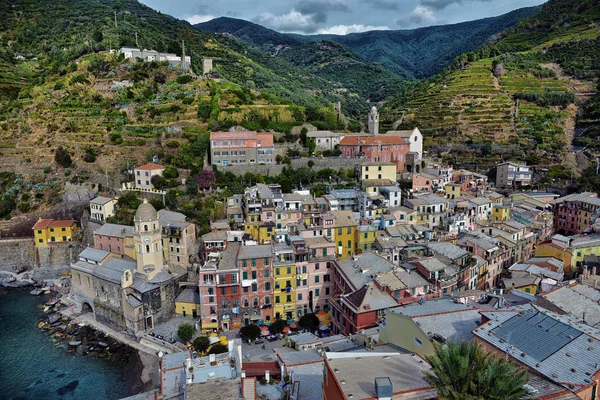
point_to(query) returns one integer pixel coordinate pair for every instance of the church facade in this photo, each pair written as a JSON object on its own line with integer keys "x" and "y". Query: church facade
{"x": 134, "y": 295}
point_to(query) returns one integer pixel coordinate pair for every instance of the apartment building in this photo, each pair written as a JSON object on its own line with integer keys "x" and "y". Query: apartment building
{"x": 235, "y": 148}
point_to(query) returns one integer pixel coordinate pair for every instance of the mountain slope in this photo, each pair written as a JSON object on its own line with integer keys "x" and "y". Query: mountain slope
{"x": 412, "y": 54}
{"x": 518, "y": 98}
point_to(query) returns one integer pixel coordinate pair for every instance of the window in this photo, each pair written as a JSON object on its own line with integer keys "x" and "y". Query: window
{"x": 289, "y": 270}
{"x": 299, "y": 296}
{"x": 267, "y": 299}
{"x": 233, "y": 278}
{"x": 326, "y": 291}
{"x": 214, "y": 144}
{"x": 349, "y": 244}
{"x": 339, "y": 231}
{"x": 254, "y": 274}
{"x": 277, "y": 285}
{"x": 254, "y": 287}
{"x": 244, "y": 264}
{"x": 317, "y": 292}
{"x": 276, "y": 299}
{"x": 245, "y": 275}
{"x": 41, "y": 240}
{"x": 267, "y": 273}
{"x": 222, "y": 278}
{"x": 234, "y": 290}
{"x": 255, "y": 301}
{"x": 246, "y": 303}
{"x": 288, "y": 298}
{"x": 253, "y": 262}
{"x": 349, "y": 231}
{"x": 267, "y": 286}
{"x": 317, "y": 278}
{"x": 276, "y": 271}
{"x": 223, "y": 290}
{"x": 211, "y": 299}
{"x": 326, "y": 278}
{"x": 418, "y": 342}
{"x": 266, "y": 261}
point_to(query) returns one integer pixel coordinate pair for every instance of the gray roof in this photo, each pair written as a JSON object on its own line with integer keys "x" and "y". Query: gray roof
{"x": 431, "y": 307}
{"x": 300, "y": 357}
{"x": 256, "y": 251}
{"x": 188, "y": 295}
{"x": 432, "y": 264}
{"x": 219, "y": 236}
{"x": 454, "y": 325}
{"x": 101, "y": 200}
{"x": 305, "y": 338}
{"x": 575, "y": 301}
{"x": 587, "y": 197}
{"x": 172, "y": 218}
{"x": 538, "y": 271}
{"x": 360, "y": 270}
{"x": 548, "y": 344}
{"x": 310, "y": 377}
{"x": 93, "y": 254}
{"x": 133, "y": 301}
{"x": 411, "y": 280}
{"x": 358, "y": 371}
{"x": 115, "y": 230}
{"x": 447, "y": 249}
{"x": 229, "y": 256}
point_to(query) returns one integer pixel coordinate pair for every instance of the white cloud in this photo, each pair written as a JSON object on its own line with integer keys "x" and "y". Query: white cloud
{"x": 197, "y": 19}
{"x": 294, "y": 21}
{"x": 422, "y": 15}
{"x": 355, "y": 28}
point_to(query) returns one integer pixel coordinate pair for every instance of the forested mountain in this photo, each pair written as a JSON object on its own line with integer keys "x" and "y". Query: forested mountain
{"x": 411, "y": 54}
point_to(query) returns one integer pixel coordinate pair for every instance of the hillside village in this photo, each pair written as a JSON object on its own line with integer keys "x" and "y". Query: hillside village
{"x": 269, "y": 246}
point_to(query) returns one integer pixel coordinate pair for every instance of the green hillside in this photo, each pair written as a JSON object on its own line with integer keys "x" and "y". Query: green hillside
{"x": 516, "y": 99}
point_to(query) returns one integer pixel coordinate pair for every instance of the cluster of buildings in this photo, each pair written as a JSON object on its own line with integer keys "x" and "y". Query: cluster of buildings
{"x": 153, "y": 55}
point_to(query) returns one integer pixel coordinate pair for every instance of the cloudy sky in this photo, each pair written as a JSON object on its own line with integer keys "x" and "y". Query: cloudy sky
{"x": 339, "y": 16}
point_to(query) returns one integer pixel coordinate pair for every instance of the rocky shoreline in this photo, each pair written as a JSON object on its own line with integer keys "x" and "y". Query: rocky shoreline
{"x": 85, "y": 341}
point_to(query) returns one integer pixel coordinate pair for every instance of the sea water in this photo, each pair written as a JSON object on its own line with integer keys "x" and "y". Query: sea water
{"x": 32, "y": 367}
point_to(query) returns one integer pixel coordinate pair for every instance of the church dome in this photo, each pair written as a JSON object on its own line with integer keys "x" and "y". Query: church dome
{"x": 373, "y": 108}
{"x": 146, "y": 212}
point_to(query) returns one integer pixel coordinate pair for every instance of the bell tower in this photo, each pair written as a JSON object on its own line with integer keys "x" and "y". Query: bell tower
{"x": 148, "y": 240}
{"x": 373, "y": 122}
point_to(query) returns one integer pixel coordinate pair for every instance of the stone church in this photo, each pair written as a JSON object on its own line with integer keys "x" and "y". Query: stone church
{"x": 127, "y": 294}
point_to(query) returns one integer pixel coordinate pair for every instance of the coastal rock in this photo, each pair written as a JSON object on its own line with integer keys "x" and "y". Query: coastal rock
{"x": 12, "y": 279}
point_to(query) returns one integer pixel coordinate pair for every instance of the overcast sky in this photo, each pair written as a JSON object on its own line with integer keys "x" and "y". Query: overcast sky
{"x": 339, "y": 16}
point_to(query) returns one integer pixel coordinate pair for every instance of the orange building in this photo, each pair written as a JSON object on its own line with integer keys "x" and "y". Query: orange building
{"x": 377, "y": 149}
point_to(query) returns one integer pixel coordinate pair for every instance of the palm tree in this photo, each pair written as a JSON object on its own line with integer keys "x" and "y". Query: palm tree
{"x": 465, "y": 371}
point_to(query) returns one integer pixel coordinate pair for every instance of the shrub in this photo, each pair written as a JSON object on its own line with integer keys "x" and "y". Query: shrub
{"x": 250, "y": 332}
{"x": 201, "y": 344}
{"x": 6, "y": 207}
{"x": 218, "y": 349}
{"x": 90, "y": 155}
{"x": 67, "y": 171}
{"x": 309, "y": 322}
{"x": 24, "y": 207}
{"x": 185, "y": 332}
{"x": 170, "y": 172}
{"x": 47, "y": 169}
{"x": 116, "y": 138}
{"x": 62, "y": 157}
{"x": 183, "y": 79}
{"x": 277, "y": 326}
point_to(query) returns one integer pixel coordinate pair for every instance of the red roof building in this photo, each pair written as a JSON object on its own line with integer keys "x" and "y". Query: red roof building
{"x": 377, "y": 149}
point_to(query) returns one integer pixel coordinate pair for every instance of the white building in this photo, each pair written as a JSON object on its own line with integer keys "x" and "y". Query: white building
{"x": 325, "y": 140}
{"x": 143, "y": 175}
{"x": 413, "y": 137}
{"x": 102, "y": 208}
{"x": 153, "y": 55}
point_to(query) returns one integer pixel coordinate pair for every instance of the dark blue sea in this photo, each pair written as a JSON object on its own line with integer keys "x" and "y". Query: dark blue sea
{"x": 32, "y": 367}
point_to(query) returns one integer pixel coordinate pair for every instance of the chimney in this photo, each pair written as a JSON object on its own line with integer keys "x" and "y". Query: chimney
{"x": 384, "y": 388}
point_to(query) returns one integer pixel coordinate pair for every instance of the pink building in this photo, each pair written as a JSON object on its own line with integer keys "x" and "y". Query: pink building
{"x": 115, "y": 238}
{"x": 425, "y": 182}
{"x": 377, "y": 149}
{"x": 321, "y": 251}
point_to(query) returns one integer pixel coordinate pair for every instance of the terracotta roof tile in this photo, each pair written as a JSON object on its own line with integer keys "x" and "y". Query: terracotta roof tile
{"x": 151, "y": 166}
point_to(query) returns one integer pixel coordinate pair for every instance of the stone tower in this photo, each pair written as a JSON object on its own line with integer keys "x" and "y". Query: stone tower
{"x": 373, "y": 122}
{"x": 148, "y": 240}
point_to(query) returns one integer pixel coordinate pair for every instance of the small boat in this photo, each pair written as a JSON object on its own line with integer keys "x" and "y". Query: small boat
{"x": 52, "y": 318}
{"x": 36, "y": 292}
{"x": 75, "y": 343}
{"x": 52, "y": 301}
{"x": 41, "y": 324}
{"x": 102, "y": 344}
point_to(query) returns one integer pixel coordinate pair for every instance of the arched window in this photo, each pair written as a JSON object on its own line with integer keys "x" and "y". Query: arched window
{"x": 146, "y": 228}
{"x": 147, "y": 249}
{"x": 155, "y": 246}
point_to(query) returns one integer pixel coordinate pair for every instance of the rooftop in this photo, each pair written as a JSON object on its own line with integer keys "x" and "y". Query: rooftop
{"x": 101, "y": 200}
{"x": 360, "y": 269}
{"x": 300, "y": 357}
{"x": 255, "y": 251}
{"x": 150, "y": 166}
{"x": 188, "y": 295}
{"x": 577, "y": 300}
{"x": 305, "y": 338}
{"x": 448, "y": 250}
{"x": 356, "y": 372}
{"x": 218, "y": 389}
{"x": 115, "y": 230}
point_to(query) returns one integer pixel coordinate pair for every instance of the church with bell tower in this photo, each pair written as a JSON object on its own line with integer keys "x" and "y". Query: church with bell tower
{"x": 373, "y": 121}
{"x": 148, "y": 241}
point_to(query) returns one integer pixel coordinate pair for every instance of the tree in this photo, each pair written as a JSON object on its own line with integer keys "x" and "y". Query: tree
{"x": 311, "y": 163}
{"x": 129, "y": 200}
{"x": 464, "y": 370}
{"x": 170, "y": 172}
{"x": 201, "y": 344}
{"x": 250, "y": 332}
{"x": 62, "y": 157}
{"x": 277, "y": 326}
{"x": 206, "y": 178}
{"x": 97, "y": 35}
{"x": 159, "y": 182}
{"x": 185, "y": 332}
{"x": 309, "y": 322}
{"x": 218, "y": 349}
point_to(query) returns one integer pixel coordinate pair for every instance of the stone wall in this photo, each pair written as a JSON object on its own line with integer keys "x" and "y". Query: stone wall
{"x": 274, "y": 169}
{"x": 50, "y": 262}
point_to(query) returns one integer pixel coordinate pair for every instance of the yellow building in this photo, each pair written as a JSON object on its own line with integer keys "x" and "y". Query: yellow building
{"x": 522, "y": 281}
{"x": 452, "y": 190}
{"x": 53, "y": 231}
{"x": 344, "y": 233}
{"x": 579, "y": 247}
{"x": 284, "y": 281}
{"x": 366, "y": 237}
{"x": 188, "y": 303}
{"x": 500, "y": 212}
{"x": 375, "y": 170}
